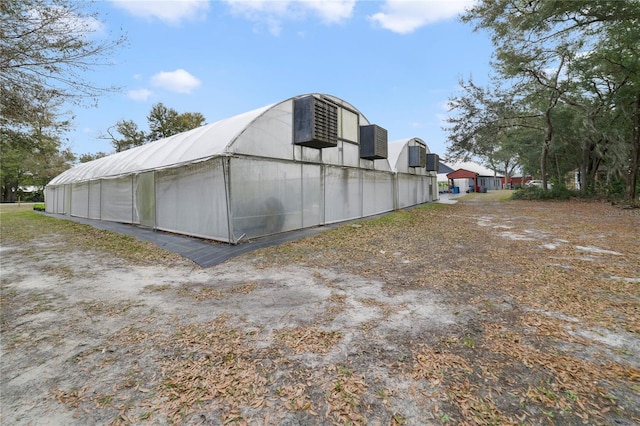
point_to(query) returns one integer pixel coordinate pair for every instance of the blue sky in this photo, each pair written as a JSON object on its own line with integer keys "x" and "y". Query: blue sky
{"x": 398, "y": 62}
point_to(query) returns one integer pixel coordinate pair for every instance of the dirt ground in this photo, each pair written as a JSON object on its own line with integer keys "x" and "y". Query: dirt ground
{"x": 482, "y": 312}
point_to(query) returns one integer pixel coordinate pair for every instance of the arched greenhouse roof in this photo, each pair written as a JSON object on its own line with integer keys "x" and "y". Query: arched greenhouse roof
{"x": 194, "y": 145}
{"x": 395, "y": 149}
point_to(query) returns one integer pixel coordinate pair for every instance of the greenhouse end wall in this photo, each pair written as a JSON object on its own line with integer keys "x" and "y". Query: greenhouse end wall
{"x": 190, "y": 200}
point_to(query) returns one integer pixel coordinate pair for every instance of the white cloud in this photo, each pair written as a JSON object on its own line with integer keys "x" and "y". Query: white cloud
{"x": 179, "y": 81}
{"x": 139, "y": 95}
{"x": 170, "y": 11}
{"x": 406, "y": 16}
{"x": 273, "y": 13}
{"x": 333, "y": 11}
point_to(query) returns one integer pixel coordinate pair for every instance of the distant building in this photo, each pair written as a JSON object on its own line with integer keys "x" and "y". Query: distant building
{"x": 468, "y": 177}
{"x": 515, "y": 182}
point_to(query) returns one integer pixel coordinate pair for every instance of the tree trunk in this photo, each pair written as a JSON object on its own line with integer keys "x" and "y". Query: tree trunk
{"x": 631, "y": 192}
{"x": 8, "y": 195}
{"x": 584, "y": 167}
{"x": 545, "y": 147}
{"x": 507, "y": 175}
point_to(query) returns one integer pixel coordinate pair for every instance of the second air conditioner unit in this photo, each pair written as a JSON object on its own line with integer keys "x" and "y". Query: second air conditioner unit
{"x": 417, "y": 156}
{"x": 373, "y": 142}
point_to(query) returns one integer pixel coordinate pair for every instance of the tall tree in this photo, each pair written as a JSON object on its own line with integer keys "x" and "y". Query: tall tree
{"x": 29, "y": 150}
{"x": 487, "y": 122}
{"x": 46, "y": 46}
{"x": 32, "y": 158}
{"x": 580, "y": 53}
{"x": 130, "y": 135}
{"x": 165, "y": 122}
{"x": 85, "y": 158}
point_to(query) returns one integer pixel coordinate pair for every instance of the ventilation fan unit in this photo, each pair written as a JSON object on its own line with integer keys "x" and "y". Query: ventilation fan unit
{"x": 417, "y": 156}
{"x": 315, "y": 123}
{"x": 373, "y": 142}
{"x": 433, "y": 161}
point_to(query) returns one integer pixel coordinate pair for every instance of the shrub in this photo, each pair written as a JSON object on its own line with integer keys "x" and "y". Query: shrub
{"x": 558, "y": 192}
{"x": 40, "y": 207}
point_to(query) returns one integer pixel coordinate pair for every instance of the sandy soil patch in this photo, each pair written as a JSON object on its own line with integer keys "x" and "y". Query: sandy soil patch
{"x": 482, "y": 312}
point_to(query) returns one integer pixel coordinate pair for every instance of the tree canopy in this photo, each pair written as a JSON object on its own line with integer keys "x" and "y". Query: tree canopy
{"x": 46, "y": 48}
{"x": 566, "y": 85}
{"x": 163, "y": 122}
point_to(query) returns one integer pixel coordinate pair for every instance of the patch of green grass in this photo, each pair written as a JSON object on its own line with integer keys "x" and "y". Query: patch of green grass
{"x": 105, "y": 401}
{"x": 433, "y": 206}
{"x": 399, "y": 419}
{"x": 345, "y": 371}
{"x": 145, "y": 416}
{"x": 24, "y": 225}
{"x": 468, "y": 342}
{"x": 63, "y": 271}
{"x": 20, "y": 226}
{"x": 571, "y": 395}
{"x": 546, "y": 392}
{"x": 558, "y": 192}
{"x": 490, "y": 196}
{"x": 400, "y": 217}
{"x": 153, "y": 288}
{"x": 506, "y": 196}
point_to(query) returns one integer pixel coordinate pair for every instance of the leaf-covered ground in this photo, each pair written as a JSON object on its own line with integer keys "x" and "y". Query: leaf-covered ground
{"x": 484, "y": 312}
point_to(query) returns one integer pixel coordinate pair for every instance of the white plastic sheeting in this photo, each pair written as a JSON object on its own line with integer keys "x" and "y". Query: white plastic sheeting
{"x": 58, "y": 199}
{"x": 378, "y": 193}
{"x": 243, "y": 178}
{"x": 266, "y": 197}
{"x": 80, "y": 197}
{"x": 117, "y": 199}
{"x": 414, "y": 185}
{"x": 192, "y": 200}
{"x": 95, "y": 191}
{"x": 144, "y": 199}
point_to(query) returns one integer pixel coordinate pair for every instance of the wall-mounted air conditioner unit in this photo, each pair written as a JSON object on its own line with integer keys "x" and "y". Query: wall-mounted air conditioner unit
{"x": 373, "y": 142}
{"x": 315, "y": 123}
{"x": 417, "y": 156}
{"x": 433, "y": 161}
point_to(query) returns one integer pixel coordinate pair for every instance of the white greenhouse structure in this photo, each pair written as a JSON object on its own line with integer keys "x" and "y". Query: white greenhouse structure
{"x": 415, "y": 176}
{"x": 309, "y": 160}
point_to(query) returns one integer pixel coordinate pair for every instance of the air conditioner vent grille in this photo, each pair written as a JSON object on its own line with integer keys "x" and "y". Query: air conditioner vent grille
{"x": 315, "y": 123}
{"x": 373, "y": 142}
{"x": 417, "y": 156}
{"x": 433, "y": 162}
